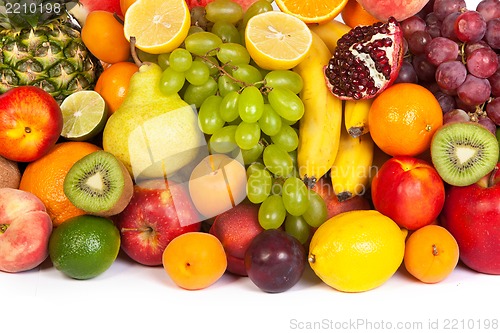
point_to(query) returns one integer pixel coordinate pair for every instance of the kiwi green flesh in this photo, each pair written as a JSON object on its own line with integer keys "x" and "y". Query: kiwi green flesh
{"x": 99, "y": 184}
{"x": 463, "y": 152}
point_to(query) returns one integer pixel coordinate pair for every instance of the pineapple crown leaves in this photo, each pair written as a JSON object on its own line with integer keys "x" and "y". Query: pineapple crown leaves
{"x": 19, "y": 14}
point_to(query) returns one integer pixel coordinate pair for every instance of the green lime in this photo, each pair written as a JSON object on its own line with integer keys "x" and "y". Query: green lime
{"x": 84, "y": 115}
{"x": 84, "y": 246}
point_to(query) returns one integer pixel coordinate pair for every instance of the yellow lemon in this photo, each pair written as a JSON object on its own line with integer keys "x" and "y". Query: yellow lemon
{"x": 158, "y": 26}
{"x": 276, "y": 40}
{"x": 357, "y": 251}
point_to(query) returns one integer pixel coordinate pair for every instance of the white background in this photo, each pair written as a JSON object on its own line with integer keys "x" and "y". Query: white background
{"x": 134, "y": 298}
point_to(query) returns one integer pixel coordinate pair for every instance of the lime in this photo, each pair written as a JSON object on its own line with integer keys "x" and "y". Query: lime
{"x": 357, "y": 250}
{"x": 84, "y": 246}
{"x": 84, "y": 115}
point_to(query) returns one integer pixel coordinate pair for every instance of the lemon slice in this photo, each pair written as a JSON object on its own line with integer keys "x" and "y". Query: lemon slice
{"x": 84, "y": 115}
{"x": 159, "y": 26}
{"x": 276, "y": 40}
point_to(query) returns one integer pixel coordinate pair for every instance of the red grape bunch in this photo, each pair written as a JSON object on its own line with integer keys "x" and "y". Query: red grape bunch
{"x": 454, "y": 52}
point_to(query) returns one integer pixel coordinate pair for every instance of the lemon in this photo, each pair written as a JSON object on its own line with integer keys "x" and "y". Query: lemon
{"x": 84, "y": 246}
{"x": 158, "y": 26}
{"x": 276, "y": 40}
{"x": 357, "y": 251}
{"x": 84, "y": 115}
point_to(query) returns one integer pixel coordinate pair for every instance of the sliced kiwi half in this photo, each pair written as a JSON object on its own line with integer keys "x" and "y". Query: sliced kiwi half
{"x": 463, "y": 152}
{"x": 99, "y": 184}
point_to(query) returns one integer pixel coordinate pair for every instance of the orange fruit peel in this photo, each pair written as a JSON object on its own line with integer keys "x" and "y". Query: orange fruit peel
{"x": 312, "y": 11}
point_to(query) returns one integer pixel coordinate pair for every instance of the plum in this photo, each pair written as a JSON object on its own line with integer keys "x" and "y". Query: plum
{"x": 275, "y": 261}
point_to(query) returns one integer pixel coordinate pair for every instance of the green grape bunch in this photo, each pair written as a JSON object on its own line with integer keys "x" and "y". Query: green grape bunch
{"x": 244, "y": 109}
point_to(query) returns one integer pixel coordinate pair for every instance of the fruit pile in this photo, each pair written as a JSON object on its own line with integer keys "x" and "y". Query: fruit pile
{"x": 250, "y": 138}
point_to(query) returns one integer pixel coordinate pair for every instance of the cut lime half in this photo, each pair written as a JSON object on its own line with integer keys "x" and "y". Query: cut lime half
{"x": 84, "y": 115}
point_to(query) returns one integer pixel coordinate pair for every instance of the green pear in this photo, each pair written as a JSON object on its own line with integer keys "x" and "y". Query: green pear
{"x": 153, "y": 134}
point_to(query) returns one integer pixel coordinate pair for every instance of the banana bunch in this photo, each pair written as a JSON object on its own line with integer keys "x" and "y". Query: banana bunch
{"x": 351, "y": 170}
{"x": 333, "y": 137}
{"x": 319, "y": 128}
{"x": 330, "y": 32}
{"x": 356, "y": 116}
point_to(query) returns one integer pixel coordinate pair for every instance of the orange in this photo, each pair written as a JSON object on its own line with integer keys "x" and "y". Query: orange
{"x": 103, "y": 35}
{"x": 312, "y": 11}
{"x": 113, "y": 83}
{"x": 124, "y": 4}
{"x": 431, "y": 254}
{"x": 195, "y": 260}
{"x": 403, "y": 119}
{"x": 354, "y": 14}
{"x": 45, "y": 177}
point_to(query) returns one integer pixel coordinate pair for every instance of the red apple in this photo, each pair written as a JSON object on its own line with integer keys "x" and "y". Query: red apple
{"x": 472, "y": 215}
{"x": 81, "y": 10}
{"x": 158, "y": 212}
{"x": 25, "y": 230}
{"x": 236, "y": 228}
{"x": 30, "y": 123}
{"x": 409, "y": 191}
{"x": 324, "y": 188}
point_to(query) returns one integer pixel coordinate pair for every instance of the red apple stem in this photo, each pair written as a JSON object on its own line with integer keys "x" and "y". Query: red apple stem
{"x": 147, "y": 229}
{"x": 3, "y": 228}
{"x": 491, "y": 178}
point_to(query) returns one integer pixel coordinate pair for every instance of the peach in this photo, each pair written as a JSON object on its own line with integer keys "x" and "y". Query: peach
{"x": 334, "y": 207}
{"x": 399, "y": 9}
{"x": 24, "y": 231}
{"x": 30, "y": 123}
{"x": 409, "y": 191}
{"x": 236, "y": 228}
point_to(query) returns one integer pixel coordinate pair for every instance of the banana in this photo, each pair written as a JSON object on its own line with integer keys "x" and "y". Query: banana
{"x": 319, "y": 128}
{"x": 330, "y": 32}
{"x": 356, "y": 116}
{"x": 350, "y": 173}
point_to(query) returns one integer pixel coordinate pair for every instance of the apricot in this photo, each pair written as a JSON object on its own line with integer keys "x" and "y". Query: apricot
{"x": 195, "y": 260}
{"x": 431, "y": 254}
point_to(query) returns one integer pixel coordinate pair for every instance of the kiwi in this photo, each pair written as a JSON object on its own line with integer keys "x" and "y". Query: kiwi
{"x": 99, "y": 184}
{"x": 10, "y": 176}
{"x": 463, "y": 152}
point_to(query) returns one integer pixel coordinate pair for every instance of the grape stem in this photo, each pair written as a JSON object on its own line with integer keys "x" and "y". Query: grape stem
{"x": 264, "y": 89}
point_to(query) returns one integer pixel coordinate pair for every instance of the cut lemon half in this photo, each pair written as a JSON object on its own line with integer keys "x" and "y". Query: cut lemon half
{"x": 84, "y": 115}
{"x": 159, "y": 26}
{"x": 276, "y": 40}
{"x": 312, "y": 11}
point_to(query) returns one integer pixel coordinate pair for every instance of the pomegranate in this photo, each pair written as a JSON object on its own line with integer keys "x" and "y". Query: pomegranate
{"x": 366, "y": 61}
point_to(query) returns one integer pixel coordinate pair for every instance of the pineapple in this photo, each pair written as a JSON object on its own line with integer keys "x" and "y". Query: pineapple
{"x": 44, "y": 49}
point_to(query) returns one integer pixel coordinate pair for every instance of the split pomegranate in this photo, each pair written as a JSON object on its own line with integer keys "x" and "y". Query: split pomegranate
{"x": 366, "y": 61}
